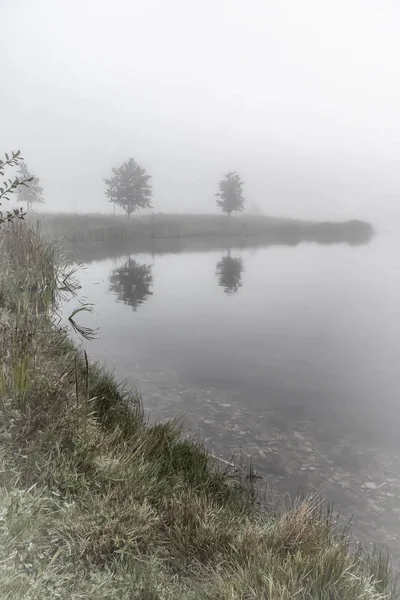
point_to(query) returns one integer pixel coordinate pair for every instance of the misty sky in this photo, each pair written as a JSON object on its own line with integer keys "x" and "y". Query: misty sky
{"x": 302, "y": 97}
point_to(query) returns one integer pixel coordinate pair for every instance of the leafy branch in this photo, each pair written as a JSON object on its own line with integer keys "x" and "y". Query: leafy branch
{"x": 10, "y": 186}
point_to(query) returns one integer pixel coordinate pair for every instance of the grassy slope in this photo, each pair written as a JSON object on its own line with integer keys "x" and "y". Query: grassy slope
{"x": 107, "y": 228}
{"x": 96, "y": 504}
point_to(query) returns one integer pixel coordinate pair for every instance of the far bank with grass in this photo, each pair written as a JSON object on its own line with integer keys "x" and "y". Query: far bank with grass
{"x": 83, "y": 228}
{"x": 95, "y": 503}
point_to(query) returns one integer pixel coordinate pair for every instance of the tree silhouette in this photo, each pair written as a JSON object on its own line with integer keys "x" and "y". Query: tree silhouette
{"x": 129, "y": 187}
{"x": 132, "y": 283}
{"x": 229, "y": 272}
{"x": 33, "y": 193}
{"x": 230, "y": 193}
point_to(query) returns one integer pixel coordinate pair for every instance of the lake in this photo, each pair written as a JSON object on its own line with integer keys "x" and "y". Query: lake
{"x": 289, "y": 353}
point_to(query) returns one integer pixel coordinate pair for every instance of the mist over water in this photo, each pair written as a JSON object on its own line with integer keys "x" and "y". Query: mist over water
{"x": 288, "y": 352}
{"x": 276, "y": 332}
{"x": 310, "y": 122}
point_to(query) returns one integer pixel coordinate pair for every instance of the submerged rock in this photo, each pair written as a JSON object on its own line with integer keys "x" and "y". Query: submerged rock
{"x": 370, "y": 485}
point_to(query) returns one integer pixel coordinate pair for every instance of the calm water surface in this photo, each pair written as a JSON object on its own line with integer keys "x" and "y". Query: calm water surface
{"x": 290, "y": 353}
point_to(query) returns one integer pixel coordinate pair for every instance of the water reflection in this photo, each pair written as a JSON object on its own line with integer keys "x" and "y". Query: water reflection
{"x": 305, "y": 382}
{"x": 132, "y": 282}
{"x": 229, "y": 272}
{"x": 289, "y": 233}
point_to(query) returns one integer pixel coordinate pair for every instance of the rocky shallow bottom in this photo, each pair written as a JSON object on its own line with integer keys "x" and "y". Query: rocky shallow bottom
{"x": 291, "y": 452}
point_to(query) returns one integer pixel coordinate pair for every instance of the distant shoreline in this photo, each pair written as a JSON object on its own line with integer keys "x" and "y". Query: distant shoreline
{"x": 89, "y": 228}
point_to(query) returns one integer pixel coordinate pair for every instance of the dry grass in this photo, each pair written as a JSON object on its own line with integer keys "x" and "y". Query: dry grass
{"x": 96, "y": 504}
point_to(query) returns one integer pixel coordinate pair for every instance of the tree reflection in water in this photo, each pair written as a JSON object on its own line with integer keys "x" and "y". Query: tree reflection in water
{"x": 132, "y": 282}
{"x": 229, "y": 272}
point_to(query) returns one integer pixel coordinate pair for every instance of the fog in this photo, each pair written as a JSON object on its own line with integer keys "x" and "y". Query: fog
{"x": 302, "y": 98}
{"x": 277, "y": 337}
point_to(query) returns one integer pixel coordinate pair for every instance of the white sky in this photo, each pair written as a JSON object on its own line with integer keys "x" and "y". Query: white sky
{"x": 301, "y": 96}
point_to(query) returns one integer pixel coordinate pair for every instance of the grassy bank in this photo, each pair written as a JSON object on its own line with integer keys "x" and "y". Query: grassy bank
{"x": 95, "y": 503}
{"x": 78, "y": 228}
